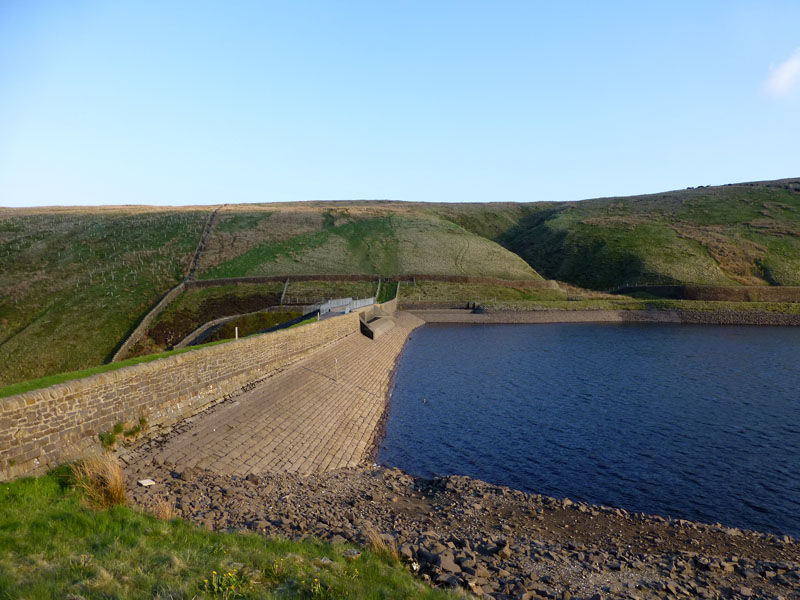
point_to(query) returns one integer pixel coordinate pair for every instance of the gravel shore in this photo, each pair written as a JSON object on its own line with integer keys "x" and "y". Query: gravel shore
{"x": 493, "y": 541}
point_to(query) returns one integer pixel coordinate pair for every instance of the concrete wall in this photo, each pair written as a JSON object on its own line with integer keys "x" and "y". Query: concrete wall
{"x": 43, "y": 428}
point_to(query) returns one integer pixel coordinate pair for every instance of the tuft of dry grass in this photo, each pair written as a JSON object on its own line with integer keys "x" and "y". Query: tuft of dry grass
{"x": 164, "y": 509}
{"x": 101, "y": 480}
{"x": 379, "y": 545}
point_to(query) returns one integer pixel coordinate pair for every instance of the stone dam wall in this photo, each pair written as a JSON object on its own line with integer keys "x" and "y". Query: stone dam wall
{"x": 698, "y": 317}
{"x": 715, "y": 293}
{"x": 43, "y": 428}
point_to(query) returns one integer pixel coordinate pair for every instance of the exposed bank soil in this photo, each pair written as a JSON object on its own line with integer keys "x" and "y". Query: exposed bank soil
{"x": 174, "y": 326}
{"x": 491, "y": 540}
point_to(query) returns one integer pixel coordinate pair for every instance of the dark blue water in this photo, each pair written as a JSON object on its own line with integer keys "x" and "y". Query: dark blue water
{"x": 695, "y": 422}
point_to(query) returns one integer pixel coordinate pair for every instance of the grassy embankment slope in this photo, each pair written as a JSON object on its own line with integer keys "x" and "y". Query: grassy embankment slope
{"x": 380, "y": 238}
{"x": 53, "y": 547}
{"x": 75, "y": 281}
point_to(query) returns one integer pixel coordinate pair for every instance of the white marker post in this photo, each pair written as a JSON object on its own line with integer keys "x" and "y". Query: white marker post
{"x": 237, "y": 332}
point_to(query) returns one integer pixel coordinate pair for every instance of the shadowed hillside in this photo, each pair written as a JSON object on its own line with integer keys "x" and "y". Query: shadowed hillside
{"x": 743, "y": 234}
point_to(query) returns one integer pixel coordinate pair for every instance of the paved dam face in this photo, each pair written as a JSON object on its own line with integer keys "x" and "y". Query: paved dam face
{"x": 320, "y": 414}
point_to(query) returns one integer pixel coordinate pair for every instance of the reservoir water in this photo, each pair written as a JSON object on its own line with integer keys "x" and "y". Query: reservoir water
{"x": 688, "y": 421}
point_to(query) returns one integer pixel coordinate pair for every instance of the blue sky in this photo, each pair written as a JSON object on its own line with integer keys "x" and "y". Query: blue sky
{"x": 208, "y": 102}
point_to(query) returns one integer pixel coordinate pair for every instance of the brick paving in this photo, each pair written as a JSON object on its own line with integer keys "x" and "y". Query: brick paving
{"x": 319, "y": 414}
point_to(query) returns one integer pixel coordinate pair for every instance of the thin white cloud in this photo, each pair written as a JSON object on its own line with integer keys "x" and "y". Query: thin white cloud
{"x": 784, "y": 78}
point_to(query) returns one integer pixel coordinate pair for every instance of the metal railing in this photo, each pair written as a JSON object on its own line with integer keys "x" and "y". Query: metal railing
{"x": 348, "y": 303}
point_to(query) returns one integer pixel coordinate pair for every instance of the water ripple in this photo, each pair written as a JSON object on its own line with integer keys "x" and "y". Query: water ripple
{"x": 688, "y": 421}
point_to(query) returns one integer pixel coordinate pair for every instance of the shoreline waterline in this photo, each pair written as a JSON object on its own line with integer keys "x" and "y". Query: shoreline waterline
{"x": 560, "y": 410}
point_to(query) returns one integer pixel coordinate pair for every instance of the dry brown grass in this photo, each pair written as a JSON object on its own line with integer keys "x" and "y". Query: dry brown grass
{"x": 164, "y": 509}
{"x": 379, "y": 545}
{"x": 737, "y": 257}
{"x": 101, "y": 480}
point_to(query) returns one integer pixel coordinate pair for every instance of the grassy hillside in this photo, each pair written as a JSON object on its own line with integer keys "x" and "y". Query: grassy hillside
{"x": 73, "y": 282}
{"x": 382, "y": 238}
{"x": 745, "y": 234}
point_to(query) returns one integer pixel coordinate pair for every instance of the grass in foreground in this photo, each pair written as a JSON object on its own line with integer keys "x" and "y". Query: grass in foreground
{"x": 51, "y": 546}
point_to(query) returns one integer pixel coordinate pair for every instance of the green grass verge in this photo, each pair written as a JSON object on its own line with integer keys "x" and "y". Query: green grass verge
{"x": 388, "y": 292}
{"x": 53, "y": 547}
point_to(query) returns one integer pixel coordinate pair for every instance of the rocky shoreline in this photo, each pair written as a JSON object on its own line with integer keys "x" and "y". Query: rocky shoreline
{"x": 493, "y": 541}
{"x": 432, "y": 314}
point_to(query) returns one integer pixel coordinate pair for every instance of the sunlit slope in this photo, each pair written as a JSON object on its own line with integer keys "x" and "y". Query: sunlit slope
{"x": 73, "y": 282}
{"x": 744, "y": 234}
{"x": 350, "y": 237}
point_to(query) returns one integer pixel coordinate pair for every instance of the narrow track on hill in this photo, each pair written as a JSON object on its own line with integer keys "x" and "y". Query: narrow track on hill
{"x": 190, "y": 275}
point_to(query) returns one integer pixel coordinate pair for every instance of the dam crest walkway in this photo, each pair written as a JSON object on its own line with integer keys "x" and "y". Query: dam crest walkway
{"x": 320, "y": 414}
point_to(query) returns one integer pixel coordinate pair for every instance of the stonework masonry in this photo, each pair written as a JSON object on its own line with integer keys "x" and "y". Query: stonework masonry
{"x": 43, "y": 428}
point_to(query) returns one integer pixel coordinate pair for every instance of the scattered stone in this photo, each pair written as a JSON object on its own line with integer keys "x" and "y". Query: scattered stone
{"x": 517, "y": 546}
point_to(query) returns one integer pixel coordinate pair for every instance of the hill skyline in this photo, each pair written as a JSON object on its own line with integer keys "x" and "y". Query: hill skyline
{"x": 77, "y": 280}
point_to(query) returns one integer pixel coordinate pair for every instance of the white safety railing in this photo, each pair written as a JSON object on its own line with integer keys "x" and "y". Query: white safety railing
{"x": 347, "y": 303}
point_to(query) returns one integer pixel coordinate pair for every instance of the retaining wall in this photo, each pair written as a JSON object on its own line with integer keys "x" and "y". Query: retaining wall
{"x": 519, "y": 283}
{"x": 145, "y": 324}
{"x": 744, "y": 293}
{"x": 43, "y": 428}
{"x": 546, "y": 284}
{"x": 700, "y": 317}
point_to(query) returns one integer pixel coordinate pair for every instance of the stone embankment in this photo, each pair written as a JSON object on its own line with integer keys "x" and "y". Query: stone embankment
{"x": 319, "y": 414}
{"x": 703, "y": 317}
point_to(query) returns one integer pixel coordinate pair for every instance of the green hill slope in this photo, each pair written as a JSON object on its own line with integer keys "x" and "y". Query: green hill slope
{"x": 382, "y": 238}
{"x": 73, "y": 282}
{"x": 743, "y": 234}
